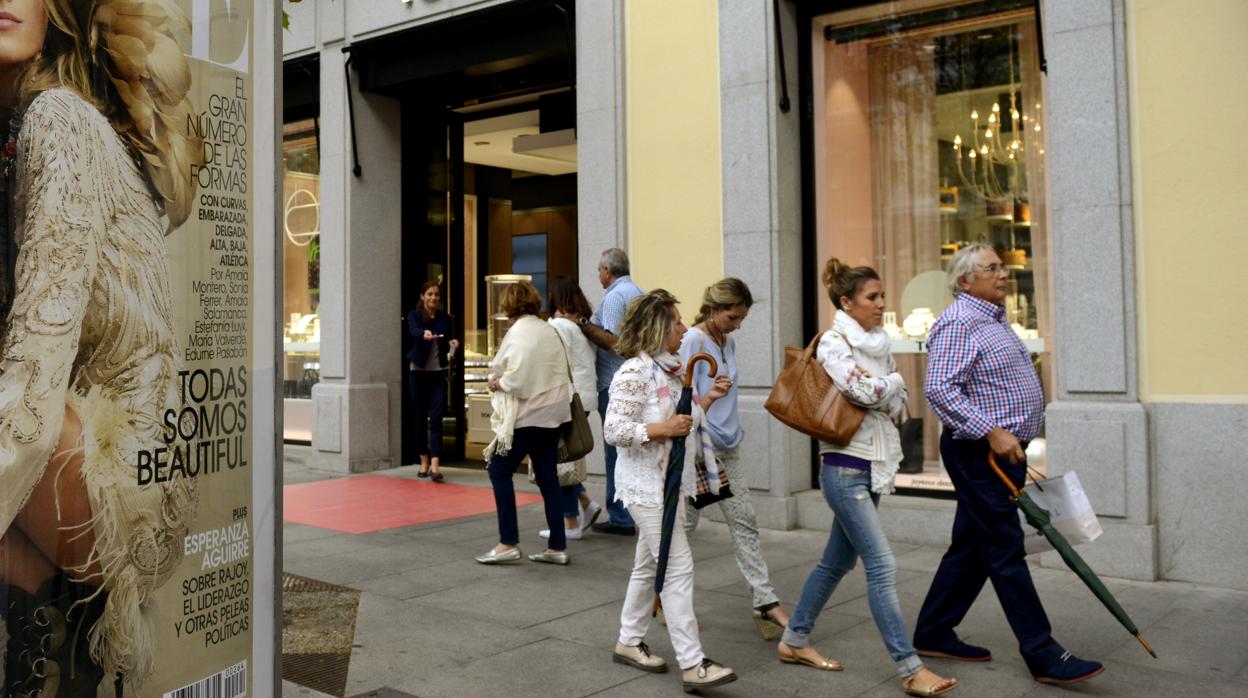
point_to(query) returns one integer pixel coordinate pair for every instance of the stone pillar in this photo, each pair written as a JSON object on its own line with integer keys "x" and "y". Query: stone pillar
{"x": 601, "y": 202}
{"x": 762, "y": 240}
{"x": 356, "y": 406}
{"x": 1096, "y": 426}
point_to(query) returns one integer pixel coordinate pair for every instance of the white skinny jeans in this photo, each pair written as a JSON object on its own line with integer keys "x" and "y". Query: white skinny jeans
{"x": 677, "y": 594}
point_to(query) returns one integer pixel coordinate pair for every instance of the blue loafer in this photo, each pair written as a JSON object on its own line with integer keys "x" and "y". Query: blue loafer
{"x": 954, "y": 649}
{"x": 1069, "y": 669}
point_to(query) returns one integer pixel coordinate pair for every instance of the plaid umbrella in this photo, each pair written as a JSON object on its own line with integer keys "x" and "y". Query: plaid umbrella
{"x": 1039, "y": 518}
{"x": 675, "y": 469}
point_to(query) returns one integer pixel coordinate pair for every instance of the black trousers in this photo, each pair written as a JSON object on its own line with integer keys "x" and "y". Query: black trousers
{"x": 428, "y": 393}
{"x": 987, "y": 544}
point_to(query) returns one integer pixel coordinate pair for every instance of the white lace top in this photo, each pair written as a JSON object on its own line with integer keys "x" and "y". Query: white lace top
{"x": 92, "y": 327}
{"x": 642, "y": 463}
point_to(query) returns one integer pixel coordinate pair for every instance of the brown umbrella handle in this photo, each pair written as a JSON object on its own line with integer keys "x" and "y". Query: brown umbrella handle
{"x": 693, "y": 361}
{"x": 992, "y": 463}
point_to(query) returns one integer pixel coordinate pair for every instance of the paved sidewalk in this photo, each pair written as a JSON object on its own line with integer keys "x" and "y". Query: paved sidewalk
{"x": 432, "y": 622}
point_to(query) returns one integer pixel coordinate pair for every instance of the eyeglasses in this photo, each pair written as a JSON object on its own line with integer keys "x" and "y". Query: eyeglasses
{"x": 992, "y": 269}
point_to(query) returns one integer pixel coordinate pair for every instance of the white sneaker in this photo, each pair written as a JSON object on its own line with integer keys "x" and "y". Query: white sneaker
{"x": 590, "y": 516}
{"x": 569, "y": 533}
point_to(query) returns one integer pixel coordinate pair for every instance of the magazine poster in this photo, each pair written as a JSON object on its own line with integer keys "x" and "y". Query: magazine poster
{"x": 127, "y": 392}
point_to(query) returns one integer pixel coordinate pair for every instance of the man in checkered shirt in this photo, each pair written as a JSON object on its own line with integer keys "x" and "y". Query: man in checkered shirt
{"x": 982, "y": 385}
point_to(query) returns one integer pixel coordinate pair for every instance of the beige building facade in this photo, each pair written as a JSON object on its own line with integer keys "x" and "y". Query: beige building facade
{"x": 692, "y": 153}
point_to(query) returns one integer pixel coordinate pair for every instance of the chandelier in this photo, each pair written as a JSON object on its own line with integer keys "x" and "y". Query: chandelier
{"x": 991, "y": 163}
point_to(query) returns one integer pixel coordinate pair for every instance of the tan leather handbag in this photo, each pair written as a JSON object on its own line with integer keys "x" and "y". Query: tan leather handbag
{"x": 805, "y": 399}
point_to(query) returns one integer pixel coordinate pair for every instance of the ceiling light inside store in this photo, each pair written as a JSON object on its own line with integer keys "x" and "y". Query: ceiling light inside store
{"x": 515, "y": 142}
{"x": 557, "y": 146}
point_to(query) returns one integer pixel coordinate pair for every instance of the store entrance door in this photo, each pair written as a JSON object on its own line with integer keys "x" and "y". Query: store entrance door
{"x": 433, "y": 250}
{"x": 511, "y": 67}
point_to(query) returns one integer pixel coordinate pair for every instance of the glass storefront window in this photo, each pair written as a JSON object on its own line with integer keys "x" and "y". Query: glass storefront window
{"x": 932, "y": 139}
{"x": 301, "y": 338}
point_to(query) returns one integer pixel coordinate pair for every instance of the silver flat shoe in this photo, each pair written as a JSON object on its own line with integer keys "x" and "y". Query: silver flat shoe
{"x": 559, "y": 558}
{"x": 493, "y": 558}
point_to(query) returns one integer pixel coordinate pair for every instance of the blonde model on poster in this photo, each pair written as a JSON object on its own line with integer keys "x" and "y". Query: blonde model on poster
{"x": 98, "y": 162}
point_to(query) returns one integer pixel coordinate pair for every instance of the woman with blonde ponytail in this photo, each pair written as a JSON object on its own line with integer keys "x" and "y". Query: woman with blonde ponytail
{"x": 725, "y": 305}
{"x": 97, "y": 162}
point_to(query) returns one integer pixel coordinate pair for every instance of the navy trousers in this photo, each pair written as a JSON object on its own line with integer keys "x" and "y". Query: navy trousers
{"x": 541, "y": 445}
{"x": 428, "y": 392}
{"x": 987, "y": 544}
{"x": 617, "y": 513}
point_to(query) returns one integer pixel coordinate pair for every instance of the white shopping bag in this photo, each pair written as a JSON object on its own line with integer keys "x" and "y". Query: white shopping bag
{"x": 1068, "y": 506}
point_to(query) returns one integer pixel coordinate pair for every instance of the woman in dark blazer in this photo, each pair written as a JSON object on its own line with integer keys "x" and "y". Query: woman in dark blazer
{"x": 427, "y": 362}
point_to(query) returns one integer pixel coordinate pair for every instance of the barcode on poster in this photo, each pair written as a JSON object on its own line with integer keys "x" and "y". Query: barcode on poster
{"x": 231, "y": 683}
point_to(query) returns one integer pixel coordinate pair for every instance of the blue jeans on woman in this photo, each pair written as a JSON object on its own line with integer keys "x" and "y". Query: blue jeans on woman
{"x": 856, "y": 532}
{"x": 572, "y": 500}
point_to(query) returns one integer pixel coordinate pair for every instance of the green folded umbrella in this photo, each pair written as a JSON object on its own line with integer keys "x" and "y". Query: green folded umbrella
{"x": 1038, "y": 517}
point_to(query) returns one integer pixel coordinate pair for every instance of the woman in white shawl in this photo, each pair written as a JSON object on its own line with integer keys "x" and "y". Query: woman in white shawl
{"x": 641, "y": 422}
{"x": 529, "y": 382}
{"x": 857, "y": 354}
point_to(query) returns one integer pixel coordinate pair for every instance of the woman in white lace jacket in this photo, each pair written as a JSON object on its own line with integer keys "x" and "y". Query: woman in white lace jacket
{"x": 90, "y": 358}
{"x": 641, "y": 422}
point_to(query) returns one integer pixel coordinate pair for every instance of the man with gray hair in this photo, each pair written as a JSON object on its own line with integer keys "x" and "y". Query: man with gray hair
{"x": 602, "y": 330}
{"x": 983, "y": 387}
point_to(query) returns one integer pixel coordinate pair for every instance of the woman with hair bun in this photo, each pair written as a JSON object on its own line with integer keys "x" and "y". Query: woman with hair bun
{"x": 98, "y": 158}
{"x": 857, "y": 354}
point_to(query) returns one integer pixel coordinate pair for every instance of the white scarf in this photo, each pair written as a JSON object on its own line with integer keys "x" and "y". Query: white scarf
{"x": 876, "y": 343}
{"x": 872, "y": 350}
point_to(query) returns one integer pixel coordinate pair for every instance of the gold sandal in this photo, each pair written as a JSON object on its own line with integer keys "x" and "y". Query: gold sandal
{"x": 938, "y": 686}
{"x": 824, "y": 664}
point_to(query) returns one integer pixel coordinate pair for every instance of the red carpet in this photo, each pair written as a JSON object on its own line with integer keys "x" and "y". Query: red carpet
{"x": 374, "y": 503}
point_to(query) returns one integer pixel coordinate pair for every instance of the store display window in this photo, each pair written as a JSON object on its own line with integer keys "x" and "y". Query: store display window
{"x": 301, "y": 336}
{"x": 930, "y": 136}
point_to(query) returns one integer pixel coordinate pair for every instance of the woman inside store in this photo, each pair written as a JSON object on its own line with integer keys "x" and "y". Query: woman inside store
{"x": 566, "y": 304}
{"x": 857, "y": 354}
{"x": 530, "y": 396}
{"x": 725, "y": 305}
{"x": 641, "y": 422}
{"x": 90, "y": 352}
{"x": 427, "y": 363}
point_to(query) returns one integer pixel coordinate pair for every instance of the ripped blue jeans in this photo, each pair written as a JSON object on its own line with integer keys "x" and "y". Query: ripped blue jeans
{"x": 856, "y": 532}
